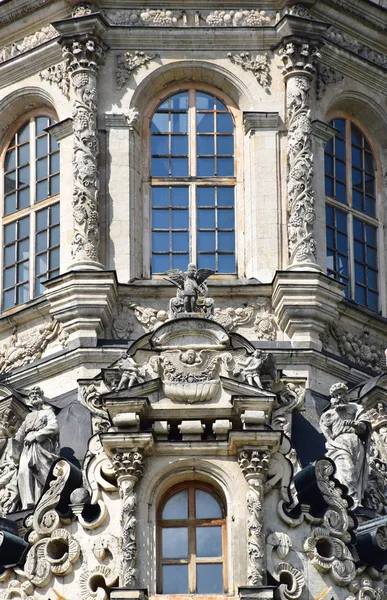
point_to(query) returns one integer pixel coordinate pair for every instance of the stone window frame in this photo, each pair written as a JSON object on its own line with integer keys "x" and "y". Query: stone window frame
{"x": 29, "y": 213}
{"x": 193, "y": 523}
{"x": 237, "y": 116}
{"x": 351, "y": 213}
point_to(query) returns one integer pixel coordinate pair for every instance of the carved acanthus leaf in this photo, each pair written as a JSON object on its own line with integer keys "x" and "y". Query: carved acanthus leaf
{"x": 265, "y": 324}
{"x": 28, "y": 43}
{"x": 326, "y": 76}
{"x": 128, "y": 63}
{"x": 258, "y": 65}
{"x": 59, "y": 75}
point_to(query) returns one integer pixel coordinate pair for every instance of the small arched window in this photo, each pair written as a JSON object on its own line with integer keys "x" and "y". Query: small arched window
{"x": 191, "y": 541}
{"x": 30, "y": 212}
{"x": 193, "y": 183}
{"x": 351, "y": 213}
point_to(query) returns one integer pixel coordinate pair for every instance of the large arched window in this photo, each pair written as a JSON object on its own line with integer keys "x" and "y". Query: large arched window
{"x": 30, "y": 212}
{"x": 193, "y": 183}
{"x": 191, "y": 541}
{"x": 351, "y": 213}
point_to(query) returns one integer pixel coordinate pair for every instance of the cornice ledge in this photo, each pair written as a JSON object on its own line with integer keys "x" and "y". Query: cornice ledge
{"x": 354, "y": 66}
{"x": 291, "y": 26}
{"x": 30, "y": 63}
{"x": 93, "y": 24}
{"x": 261, "y": 120}
{"x": 62, "y": 129}
{"x": 323, "y": 131}
{"x": 123, "y": 442}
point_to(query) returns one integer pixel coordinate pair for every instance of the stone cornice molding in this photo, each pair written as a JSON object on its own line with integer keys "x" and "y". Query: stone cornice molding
{"x": 81, "y": 27}
{"x": 30, "y": 63}
{"x": 62, "y": 129}
{"x": 254, "y": 121}
{"x": 322, "y": 131}
{"x": 114, "y": 443}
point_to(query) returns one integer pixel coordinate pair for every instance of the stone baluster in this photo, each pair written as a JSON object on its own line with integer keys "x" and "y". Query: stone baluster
{"x": 128, "y": 467}
{"x": 254, "y": 465}
{"x": 83, "y": 55}
{"x": 299, "y": 58}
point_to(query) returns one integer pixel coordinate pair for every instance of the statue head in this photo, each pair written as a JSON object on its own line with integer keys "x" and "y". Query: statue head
{"x": 191, "y": 270}
{"x": 339, "y": 394}
{"x": 35, "y": 397}
{"x": 190, "y": 357}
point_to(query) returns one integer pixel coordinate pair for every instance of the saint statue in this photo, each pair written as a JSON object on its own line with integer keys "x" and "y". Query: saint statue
{"x": 35, "y": 447}
{"x": 347, "y": 432}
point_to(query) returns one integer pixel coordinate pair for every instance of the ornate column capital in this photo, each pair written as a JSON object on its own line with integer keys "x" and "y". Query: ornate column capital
{"x": 299, "y": 57}
{"x": 128, "y": 466}
{"x": 254, "y": 463}
{"x": 85, "y": 52}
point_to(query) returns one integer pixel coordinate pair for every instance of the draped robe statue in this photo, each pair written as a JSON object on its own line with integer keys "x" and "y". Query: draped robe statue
{"x": 35, "y": 446}
{"x": 347, "y": 432}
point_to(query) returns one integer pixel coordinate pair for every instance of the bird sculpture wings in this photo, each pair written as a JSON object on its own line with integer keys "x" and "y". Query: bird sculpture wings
{"x": 178, "y": 277}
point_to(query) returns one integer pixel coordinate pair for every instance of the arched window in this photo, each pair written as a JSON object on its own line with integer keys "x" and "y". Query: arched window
{"x": 351, "y": 213}
{"x": 30, "y": 212}
{"x": 193, "y": 183}
{"x": 191, "y": 541}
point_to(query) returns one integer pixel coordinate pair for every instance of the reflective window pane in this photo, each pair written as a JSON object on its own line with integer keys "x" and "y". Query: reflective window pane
{"x": 204, "y": 101}
{"x": 209, "y": 541}
{"x": 160, "y": 144}
{"x": 175, "y": 542}
{"x": 160, "y": 263}
{"x": 160, "y": 123}
{"x": 205, "y": 122}
{"x": 180, "y": 144}
{"x": 205, "y": 196}
{"x": 206, "y": 167}
{"x": 179, "y": 101}
{"x": 225, "y": 167}
{"x": 206, "y": 261}
{"x": 209, "y": 579}
{"x": 175, "y": 579}
{"x": 160, "y": 219}
{"x": 179, "y": 123}
{"x": 160, "y": 196}
{"x": 179, "y": 167}
{"x": 224, "y": 123}
{"x": 226, "y": 263}
{"x": 207, "y": 507}
{"x": 205, "y": 144}
{"x": 180, "y": 261}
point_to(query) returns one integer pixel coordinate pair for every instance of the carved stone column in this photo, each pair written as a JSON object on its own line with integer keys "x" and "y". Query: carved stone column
{"x": 84, "y": 52}
{"x": 129, "y": 468}
{"x": 254, "y": 464}
{"x": 299, "y": 58}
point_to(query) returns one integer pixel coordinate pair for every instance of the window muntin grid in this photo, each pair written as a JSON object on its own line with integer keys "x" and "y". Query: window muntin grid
{"x": 47, "y": 237}
{"x": 191, "y": 541}
{"x": 351, "y": 225}
{"x": 192, "y": 141}
{"x": 31, "y": 179}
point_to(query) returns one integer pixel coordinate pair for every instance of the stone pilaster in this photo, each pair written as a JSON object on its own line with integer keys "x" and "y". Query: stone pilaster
{"x": 128, "y": 467}
{"x": 254, "y": 464}
{"x": 299, "y": 57}
{"x": 84, "y": 52}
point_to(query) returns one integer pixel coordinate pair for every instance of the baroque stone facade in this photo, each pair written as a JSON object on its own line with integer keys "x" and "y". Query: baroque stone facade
{"x": 193, "y": 387}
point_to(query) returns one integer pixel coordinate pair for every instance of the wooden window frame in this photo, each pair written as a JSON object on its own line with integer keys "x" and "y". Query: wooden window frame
{"x": 191, "y": 523}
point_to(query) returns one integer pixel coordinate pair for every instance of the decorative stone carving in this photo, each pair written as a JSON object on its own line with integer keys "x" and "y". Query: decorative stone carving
{"x": 28, "y": 43}
{"x": 130, "y": 372}
{"x": 294, "y": 581}
{"x": 346, "y": 429}
{"x": 254, "y": 465}
{"x": 128, "y": 63}
{"x": 51, "y": 556}
{"x": 83, "y": 58}
{"x": 82, "y": 9}
{"x": 132, "y": 117}
{"x": 265, "y": 325}
{"x": 90, "y": 397}
{"x": 354, "y": 45}
{"x": 35, "y": 447}
{"x": 299, "y": 10}
{"x": 140, "y": 18}
{"x": 232, "y": 318}
{"x": 299, "y": 66}
{"x": 18, "y": 590}
{"x": 129, "y": 467}
{"x": 238, "y": 18}
{"x": 106, "y": 546}
{"x": 191, "y": 295}
{"x": 359, "y": 347}
{"x": 258, "y": 65}
{"x": 249, "y": 368}
{"x": 59, "y": 75}
{"x": 329, "y": 554}
{"x": 150, "y": 318}
{"x": 326, "y": 76}
{"x": 122, "y": 323}
{"x": 29, "y": 346}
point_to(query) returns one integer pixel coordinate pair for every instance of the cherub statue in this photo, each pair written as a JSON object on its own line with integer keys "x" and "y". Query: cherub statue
{"x": 191, "y": 289}
{"x": 130, "y": 372}
{"x": 249, "y": 368}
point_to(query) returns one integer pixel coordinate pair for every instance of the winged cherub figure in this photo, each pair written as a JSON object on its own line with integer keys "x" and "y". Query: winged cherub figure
{"x": 190, "y": 288}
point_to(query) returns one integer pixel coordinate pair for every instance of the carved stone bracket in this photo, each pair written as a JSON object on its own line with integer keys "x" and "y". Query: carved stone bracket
{"x": 254, "y": 465}
{"x": 84, "y": 54}
{"x": 299, "y": 58}
{"x": 128, "y": 63}
{"x": 258, "y": 65}
{"x": 128, "y": 467}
